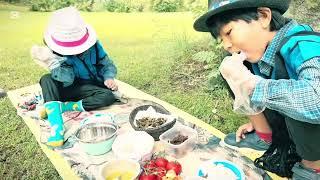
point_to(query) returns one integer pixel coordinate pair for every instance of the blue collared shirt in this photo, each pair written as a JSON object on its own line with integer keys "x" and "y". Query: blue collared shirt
{"x": 297, "y": 97}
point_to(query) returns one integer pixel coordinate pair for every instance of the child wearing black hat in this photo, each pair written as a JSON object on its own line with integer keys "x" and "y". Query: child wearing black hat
{"x": 275, "y": 66}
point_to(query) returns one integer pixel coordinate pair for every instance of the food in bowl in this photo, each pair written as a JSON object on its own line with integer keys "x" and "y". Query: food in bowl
{"x": 148, "y": 122}
{"x": 157, "y": 112}
{"x": 120, "y": 175}
{"x": 120, "y": 169}
{"x": 178, "y": 139}
{"x": 178, "y": 146}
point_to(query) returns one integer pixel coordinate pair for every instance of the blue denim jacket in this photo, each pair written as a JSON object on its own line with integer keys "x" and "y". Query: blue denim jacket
{"x": 85, "y": 67}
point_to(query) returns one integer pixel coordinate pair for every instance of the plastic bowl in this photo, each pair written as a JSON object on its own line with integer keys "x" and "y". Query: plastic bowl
{"x": 137, "y": 145}
{"x": 97, "y": 118}
{"x": 127, "y": 169}
{"x": 96, "y": 138}
{"x": 179, "y": 150}
{"x": 221, "y": 169}
{"x": 154, "y": 132}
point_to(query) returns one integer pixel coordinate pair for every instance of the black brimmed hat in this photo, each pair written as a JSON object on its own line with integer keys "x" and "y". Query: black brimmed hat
{"x": 218, "y": 6}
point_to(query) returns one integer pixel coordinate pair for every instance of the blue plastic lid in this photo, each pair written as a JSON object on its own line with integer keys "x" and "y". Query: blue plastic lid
{"x": 227, "y": 164}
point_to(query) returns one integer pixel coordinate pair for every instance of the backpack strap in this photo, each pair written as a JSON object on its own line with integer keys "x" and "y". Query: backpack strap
{"x": 98, "y": 59}
{"x": 300, "y": 33}
{"x": 280, "y": 67}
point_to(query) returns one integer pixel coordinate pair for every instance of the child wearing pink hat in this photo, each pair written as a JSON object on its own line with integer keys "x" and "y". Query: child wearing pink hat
{"x": 82, "y": 75}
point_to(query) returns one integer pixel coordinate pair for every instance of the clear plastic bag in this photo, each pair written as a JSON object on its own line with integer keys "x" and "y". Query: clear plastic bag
{"x": 236, "y": 75}
{"x": 44, "y": 57}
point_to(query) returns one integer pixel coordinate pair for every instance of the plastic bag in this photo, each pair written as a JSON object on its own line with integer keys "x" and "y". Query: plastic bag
{"x": 44, "y": 57}
{"x": 237, "y": 75}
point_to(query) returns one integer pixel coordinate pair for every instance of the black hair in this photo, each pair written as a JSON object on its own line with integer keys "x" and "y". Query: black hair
{"x": 215, "y": 23}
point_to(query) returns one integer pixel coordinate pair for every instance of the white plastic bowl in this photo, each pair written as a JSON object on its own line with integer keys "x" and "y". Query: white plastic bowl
{"x": 136, "y": 145}
{"x": 120, "y": 166}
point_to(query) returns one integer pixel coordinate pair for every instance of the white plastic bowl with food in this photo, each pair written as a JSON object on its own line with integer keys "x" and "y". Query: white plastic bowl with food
{"x": 136, "y": 145}
{"x": 127, "y": 169}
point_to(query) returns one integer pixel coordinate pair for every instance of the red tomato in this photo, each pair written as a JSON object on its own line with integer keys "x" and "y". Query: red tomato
{"x": 145, "y": 176}
{"x": 149, "y": 165}
{"x": 174, "y": 165}
{"x": 159, "y": 172}
{"x": 161, "y": 162}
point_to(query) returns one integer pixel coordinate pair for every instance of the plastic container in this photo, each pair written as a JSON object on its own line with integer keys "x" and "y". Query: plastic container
{"x": 179, "y": 150}
{"x": 137, "y": 145}
{"x": 126, "y": 169}
{"x": 154, "y": 132}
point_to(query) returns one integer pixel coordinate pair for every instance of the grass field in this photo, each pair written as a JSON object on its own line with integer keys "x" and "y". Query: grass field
{"x": 146, "y": 47}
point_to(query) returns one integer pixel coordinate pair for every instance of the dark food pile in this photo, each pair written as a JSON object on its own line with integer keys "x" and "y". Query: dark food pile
{"x": 147, "y": 122}
{"x": 178, "y": 139}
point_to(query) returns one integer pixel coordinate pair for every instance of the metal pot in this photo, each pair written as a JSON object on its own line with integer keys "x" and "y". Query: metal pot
{"x": 96, "y": 138}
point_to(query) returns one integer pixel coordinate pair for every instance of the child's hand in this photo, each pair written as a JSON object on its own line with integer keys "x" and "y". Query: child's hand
{"x": 43, "y": 56}
{"x": 239, "y": 78}
{"x": 242, "y": 83}
{"x": 41, "y": 53}
{"x": 111, "y": 84}
{"x": 231, "y": 66}
{"x": 242, "y": 130}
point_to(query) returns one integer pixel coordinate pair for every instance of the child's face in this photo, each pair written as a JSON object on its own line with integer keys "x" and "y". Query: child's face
{"x": 251, "y": 38}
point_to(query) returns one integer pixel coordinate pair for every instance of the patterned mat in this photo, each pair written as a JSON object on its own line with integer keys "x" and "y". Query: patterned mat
{"x": 72, "y": 162}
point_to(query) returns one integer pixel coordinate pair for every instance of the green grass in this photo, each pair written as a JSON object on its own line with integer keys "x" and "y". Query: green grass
{"x": 146, "y": 48}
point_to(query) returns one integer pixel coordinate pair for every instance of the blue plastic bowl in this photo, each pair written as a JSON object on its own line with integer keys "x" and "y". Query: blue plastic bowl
{"x": 227, "y": 164}
{"x": 96, "y": 138}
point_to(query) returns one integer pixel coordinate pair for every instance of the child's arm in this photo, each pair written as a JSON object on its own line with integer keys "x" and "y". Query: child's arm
{"x": 298, "y": 99}
{"x": 60, "y": 71}
{"x": 107, "y": 69}
{"x": 109, "y": 72}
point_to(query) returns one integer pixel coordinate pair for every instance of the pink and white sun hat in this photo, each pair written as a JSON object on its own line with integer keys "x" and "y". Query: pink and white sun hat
{"x": 68, "y": 34}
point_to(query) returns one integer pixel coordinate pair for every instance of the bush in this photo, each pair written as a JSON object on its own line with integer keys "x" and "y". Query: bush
{"x": 126, "y": 6}
{"x": 212, "y": 56}
{"x": 123, "y": 7}
{"x": 12, "y": 1}
{"x": 42, "y": 5}
{"x": 111, "y": 5}
{"x": 166, "y": 5}
{"x": 198, "y": 7}
{"x": 50, "y": 5}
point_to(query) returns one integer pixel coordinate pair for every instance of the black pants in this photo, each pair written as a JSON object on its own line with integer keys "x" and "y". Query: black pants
{"x": 306, "y": 137}
{"x": 93, "y": 96}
